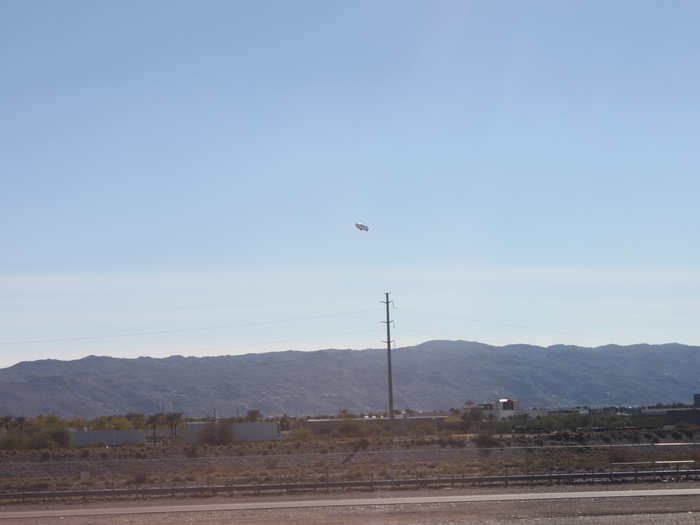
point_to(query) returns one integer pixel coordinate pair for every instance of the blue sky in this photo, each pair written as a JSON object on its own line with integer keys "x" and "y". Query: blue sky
{"x": 184, "y": 177}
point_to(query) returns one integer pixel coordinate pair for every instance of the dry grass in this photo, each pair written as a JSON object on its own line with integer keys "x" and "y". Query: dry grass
{"x": 188, "y": 471}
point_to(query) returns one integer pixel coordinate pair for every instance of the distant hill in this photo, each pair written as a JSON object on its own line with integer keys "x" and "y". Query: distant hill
{"x": 435, "y": 374}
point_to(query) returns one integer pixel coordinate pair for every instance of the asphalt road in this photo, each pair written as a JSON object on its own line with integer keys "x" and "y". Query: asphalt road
{"x": 349, "y": 502}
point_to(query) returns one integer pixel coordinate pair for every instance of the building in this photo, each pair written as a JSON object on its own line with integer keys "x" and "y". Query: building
{"x": 402, "y": 423}
{"x": 502, "y": 408}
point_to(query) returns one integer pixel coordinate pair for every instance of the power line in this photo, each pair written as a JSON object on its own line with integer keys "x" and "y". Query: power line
{"x": 181, "y": 330}
{"x": 278, "y": 341}
{"x": 500, "y": 323}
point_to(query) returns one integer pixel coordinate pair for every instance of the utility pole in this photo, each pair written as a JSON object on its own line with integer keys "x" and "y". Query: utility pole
{"x": 388, "y": 356}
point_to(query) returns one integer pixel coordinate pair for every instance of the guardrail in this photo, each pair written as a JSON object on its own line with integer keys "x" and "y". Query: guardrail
{"x": 210, "y": 490}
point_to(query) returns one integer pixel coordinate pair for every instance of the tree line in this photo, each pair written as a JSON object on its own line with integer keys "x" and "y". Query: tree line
{"x": 52, "y": 431}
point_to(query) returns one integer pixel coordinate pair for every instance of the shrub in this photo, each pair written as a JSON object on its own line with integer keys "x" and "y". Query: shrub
{"x": 457, "y": 443}
{"x": 61, "y": 437}
{"x": 423, "y": 429}
{"x": 41, "y": 440}
{"x": 375, "y": 431}
{"x": 622, "y": 455}
{"x": 139, "y": 478}
{"x": 351, "y": 428}
{"x": 216, "y": 433}
{"x": 14, "y": 441}
{"x": 301, "y": 434}
{"x": 580, "y": 438}
{"x": 485, "y": 440}
{"x": 363, "y": 444}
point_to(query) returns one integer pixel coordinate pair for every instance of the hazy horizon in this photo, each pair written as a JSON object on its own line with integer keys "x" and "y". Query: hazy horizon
{"x": 342, "y": 349}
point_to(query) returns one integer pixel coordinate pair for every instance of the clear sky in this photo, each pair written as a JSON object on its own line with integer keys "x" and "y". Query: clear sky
{"x": 183, "y": 177}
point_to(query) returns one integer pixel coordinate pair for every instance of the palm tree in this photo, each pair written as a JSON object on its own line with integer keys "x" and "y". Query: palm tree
{"x": 137, "y": 420}
{"x": 153, "y": 421}
{"x": 5, "y": 422}
{"x": 173, "y": 419}
{"x": 20, "y": 421}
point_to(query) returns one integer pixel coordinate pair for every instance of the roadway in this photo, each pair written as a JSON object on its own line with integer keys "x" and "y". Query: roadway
{"x": 233, "y": 510}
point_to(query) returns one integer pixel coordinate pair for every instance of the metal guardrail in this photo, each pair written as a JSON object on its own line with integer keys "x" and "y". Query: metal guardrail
{"x": 367, "y": 484}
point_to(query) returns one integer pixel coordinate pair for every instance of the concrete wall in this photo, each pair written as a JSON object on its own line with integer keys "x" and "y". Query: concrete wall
{"x": 109, "y": 437}
{"x": 257, "y": 431}
{"x": 188, "y": 433}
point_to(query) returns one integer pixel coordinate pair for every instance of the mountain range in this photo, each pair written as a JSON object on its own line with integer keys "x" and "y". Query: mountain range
{"x": 432, "y": 375}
